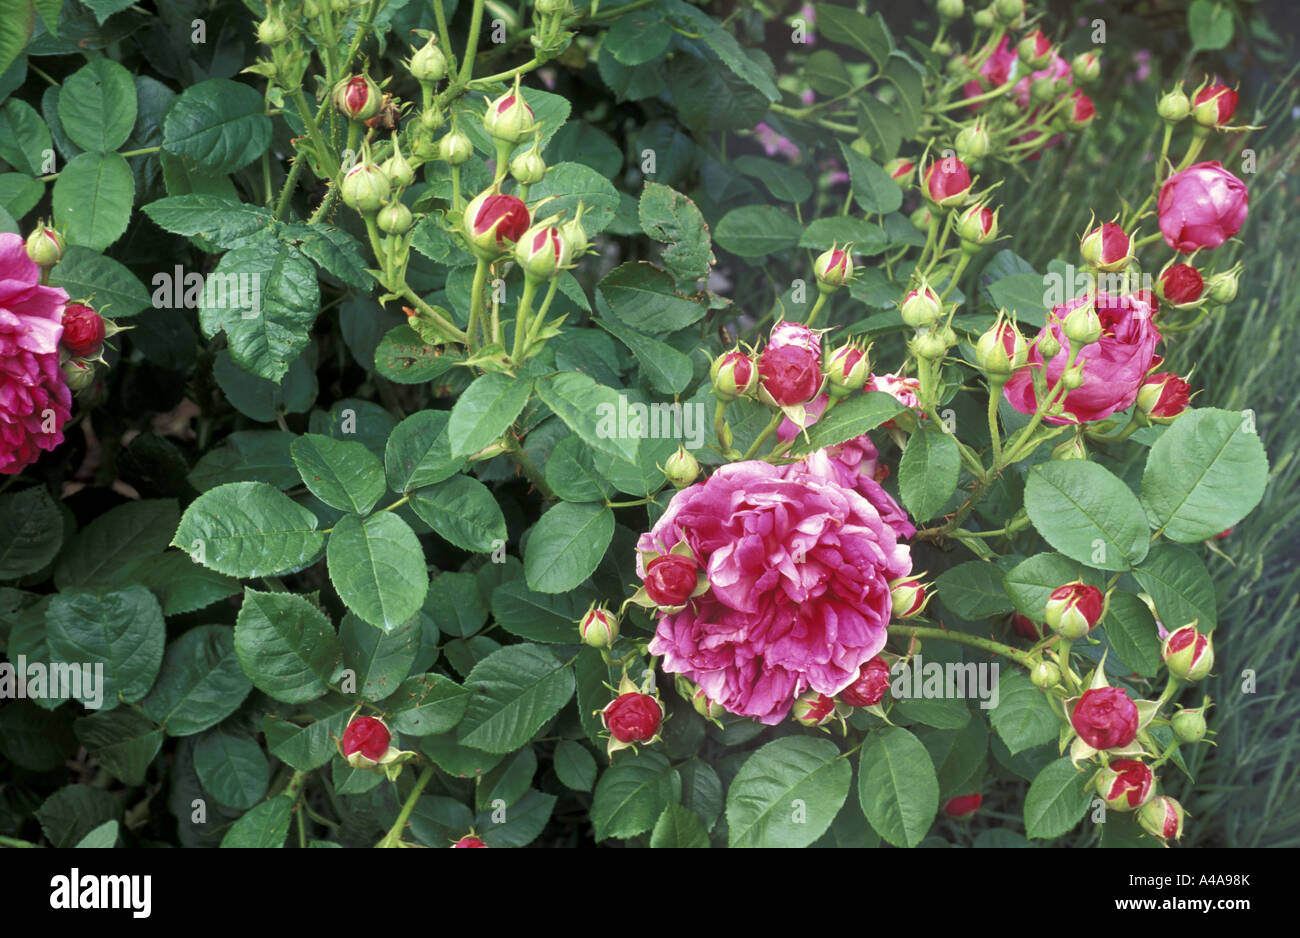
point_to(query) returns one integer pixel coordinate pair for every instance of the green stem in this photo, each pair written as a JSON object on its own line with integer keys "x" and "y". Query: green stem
{"x": 763, "y": 437}
{"x": 540, "y": 319}
{"x": 521, "y": 320}
{"x": 995, "y": 434}
{"x": 324, "y": 152}
{"x": 474, "y": 329}
{"x": 817, "y": 308}
{"x": 394, "y": 836}
{"x": 290, "y": 182}
{"x": 432, "y": 314}
{"x": 1006, "y": 651}
{"x": 471, "y": 43}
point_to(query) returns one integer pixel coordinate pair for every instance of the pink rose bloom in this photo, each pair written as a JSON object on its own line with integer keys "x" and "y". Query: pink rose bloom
{"x": 798, "y": 568}
{"x": 1057, "y": 68}
{"x": 998, "y": 69}
{"x": 1113, "y": 366}
{"x": 904, "y": 390}
{"x": 34, "y": 399}
{"x": 1201, "y": 207}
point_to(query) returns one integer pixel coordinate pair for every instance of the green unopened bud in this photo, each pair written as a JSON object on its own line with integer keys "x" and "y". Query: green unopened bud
{"x": 1072, "y": 378}
{"x": 861, "y": 145}
{"x": 920, "y": 218}
{"x": 509, "y": 118}
{"x": 455, "y": 148}
{"x": 1072, "y": 448}
{"x": 1009, "y": 11}
{"x": 357, "y": 98}
{"x": 928, "y": 345}
{"x": 45, "y": 246}
{"x": 1174, "y": 105}
{"x": 365, "y": 188}
{"x": 528, "y": 168}
{"x": 598, "y": 627}
{"x": 78, "y": 374}
{"x": 1001, "y": 350}
{"x": 428, "y": 63}
{"x": 575, "y": 235}
{"x": 951, "y": 9}
{"x": 1222, "y": 288}
{"x": 983, "y": 19}
{"x": 394, "y": 218}
{"x": 973, "y": 142}
{"x": 1048, "y": 346}
{"x": 1162, "y": 817}
{"x": 1045, "y": 674}
{"x": 681, "y": 468}
{"x": 833, "y": 268}
{"x": 399, "y": 171}
{"x": 272, "y": 31}
{"x": 847, "y": 369}
{"x": 1042, "y": 90}
{"x": 1083, "y": 325}
{"x": 1189, "y": 725}
{"x": 432, "y": 119}
{"x": 920, "y": 307}
{"x": 551, "y": 7}
{"x": 542, "y": 252}
{"x": 1086, "y": 67}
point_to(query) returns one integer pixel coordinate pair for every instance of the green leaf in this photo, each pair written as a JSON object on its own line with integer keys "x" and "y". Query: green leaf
{"x": 24, "y": 138}
{"x": 824, "y": 233}
{"x": 787, "y": 793}
{"x": 427, "y": 705}
{"x": 183, "y": 586}
{"x": 225, "y": 223}
{"x": 92, "y": 199}
{"x": 757, "y": 231}
{"x": 248, "y": 456}
{"x": 1131, "y": 630}
{"x": 874, "y": 190}
{"x": 1057, "y": 799}
{"x": 74, "y": 811}
{"x": 973, "y": 590}
{"x": 668, "y": 216}
{"x": 333, "y": 250}
{"x": 379, "y": 661}
{"x": 1023, "y": 717}
{"x": 113, "y": 549}
{"x": 232, "y": 767}
{"x": 218, "y": 126}
{"x": 266, "y": 826}
{"x": 724, "y": 45}
{"x": 638, "y": 37}
{"x": 851, "y": 28}
{"x": 590, "y": 410}
{"x": 264, "y": 400}
{"x": 784, "y": 182}
{"x": 571, "y": 473}
{"x": 31, "y": 532}
{"x": 516, "y": 690}
{"x": 1021, "y": 295}
{"x": 200, "y": 682}
{"x": 419, "y": 452}
{"x": 377, "y": 565}
{"x": 19, "y": 193}
{"x": 665, "y": 368}
{"x": 524, "y": 821}
{"x": 1210, "y": 24}
{"x": 1030, "y": 583}
{"x": 463, "y": 511}
{"x": 631, "y": 794}
{"x": 35, "y": 738}
{"x": 928, "y": 471}
{"x": 574, "y": 765}
{"x": 679, "y": 827}
{"x": 1087, "y": 514}
{"x": 571, "y": 183}
{"x": 851, "y": 418}
{"x": 643, "y": 297}
{"x": 285, "y": 645}
{"x": 16, "y": 22}
{"x": 341, "y": 473}
{"x": 125, "y": 742}
{"x": 566, "y": 545}
{"x": 538, "y": 617}
{"x": 485, "y": 410}
{"x": 897, "y": 786}
{"x": 248, "y": 529}
{"x": 1179, "y": 585}
{"x": 402, "y": 356}
{"x": 97, "y": 106}
{"x": 117, "y": 292}
{"x": 123, "y": 631}
{"x": 308, "y": 747}
{"x": 103, "y": 836}
{"x": 958, "y": 756}
{"x": 1204, "y": 474}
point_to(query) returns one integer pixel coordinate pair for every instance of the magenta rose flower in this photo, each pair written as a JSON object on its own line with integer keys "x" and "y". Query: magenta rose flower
{"x": 1201, "y": 207}
{"x": 1113, "y": 366}
{"x": 995, "y": 71}
{"x": 35, "y": 401}
{"x": 798, "y": 568}
{"x": 1105, "y": 718}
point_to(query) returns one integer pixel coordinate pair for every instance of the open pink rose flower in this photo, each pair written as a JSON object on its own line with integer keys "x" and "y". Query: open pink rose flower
{"x": 1113, "y": 367}
{"x": 1201, "y": 207}
{"x": 35, "y": 401}
{"x": 798, "y": 567}
{"x": 995, "y": 71}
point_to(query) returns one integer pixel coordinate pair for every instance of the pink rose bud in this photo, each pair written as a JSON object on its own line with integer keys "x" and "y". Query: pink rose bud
{"x": 1086, "y": 67}
{"x": 542, "y": 252}
{"x": 1125, "y": 784}
{"x": 1105, "y": 718}
{"x": 1001, "y": 350}
{"x": 598, "y": 626}
{"x": 357, "y": 98}
{"x": 1163, "y": 395}
{"x": 900, "y": 170}
{"x": 1027, "y": 628}
{"x": 469, "y": 841}
{"x": 920, "y": 307}
{"x": 83, "y": 331}
{"x": 732, "y": 374}
{"x": 365, "y": 188}
{"x": 1162, "y": 817}
{"x": 796, "y": 334}
{"x": 1214, "y": 106}
{"x": 847, "y": 369}
{"x": 833, "y": 269}
{"x": 670, "y": 579}
{"x": 494, "y": 223}
{"x": 509, "y": 118}
{"x": 813, "y": 709}
{"x": 947, "y": 182}
{"x": 633, "y": 718}
{"x": 963, "y": 805}
{"x": 1201, "y": 207}
{"x": 1035, "y": 50}
{"x": 1188, "y": 654}
{"x": 1082, "y": 110}
{"x": 1180, "y": 284}
{"x": 977, "y": 226}
{"x": 45, "y": 246}
{"x": 77, "y": 374}
{"x": 365, "y": 742}
{"x": 1073, "y": 609}
{"x": 790, "y": 374}
{"x": 1107, "y": 247}
{"x": 869, "y": 686}
{"x": 681, "y": 468}
{"x": 908, "y": 596}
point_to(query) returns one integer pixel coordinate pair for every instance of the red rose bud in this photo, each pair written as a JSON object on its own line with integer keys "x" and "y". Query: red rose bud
{"x": 633, "y": 718}
{"x": 509, "y": 118}
{"x": 1001, "y": 350}
{"x": 365, "y": 188}
{"x": 870, "y": 685}
{"x": 83, "y": 331}
{"x": 1086, "y": 68}
{"x": 1027, "y": 628}
{"x": 732, "y": 374}
{"x": 1105, "y": 718}
{"x": 1223, "y": 287}
{"x": 1082, "y": 111}
{"x": 908, "y": 596}
{"x": 847, "y": 369}
{"x": 790, "y": 374}
{"x": 77, "y": 374}
{"x": 469, "y": 841}
{"x": 977, "y": 226}
{"x": 1107, "y": 247}
{"x": 833, "y": 269}
{"x": 1125, "y": 784}
{"x": 1174, "y": 106}
{"x": 542, "y": 252}
{"x": 365, "y": 742}
{"x": 1163, "y": 396}
{"x": 1162, "y": 817}
{"x": 1180, "y": 284}
{"x": 813, "y": 709}
{"x": 357, "y": 98}
{"x": 963, "y": 805}
{"x": 670, "y": 579}
{"x": 900, "y": 170}
{"x": 598, "y": 626}
{"x": 1188, "y": 654}
{"x": 681, "y": 468}
{"x": 45, "y": 246}
{"x": 493, "y": 222}
{"x": 1214, "y": 106}
{"x": 1073, "y": 609}
{"x": 1035, "y": 50}
{"x": 947, "y": 182}
{"x": 920, "y": 307}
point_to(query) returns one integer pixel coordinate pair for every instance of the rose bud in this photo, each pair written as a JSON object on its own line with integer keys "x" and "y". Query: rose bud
{"x": 394, "y": 218}
{"x": 920, "y": 307}
{"x": 732, "y": 374}
{"x": 1188, "y": 725}
{"x": 789, "y": 374}
{"x": 1027, "y": 628}
{"x": 1082, "y": 325}
{"x": 427, "y": 63}
{"x": 365, "y": 188}
{"x": 920, "y": 218}
{"x": 1082, "y": 111}
{"x": 963, "y": 805}
{"x": 904, "y": 390}
{"x": 469, "y": 841}
{"x": 1162, "y": 817}
{"x": 796, "y": 334}
{"x": 528, "y": 168}
{"x": 900, "y": 170}
{"x": 632, "y": 718}
{"x": 365, "y": 742}
{"x": 1009, "y": 11}
{"x": 977, "y": 226}
{"x": 947, "y": 182}
{"x": 1201, "y": 207}
{"x": 982, "y": 19}
{"x": 813, "y": 709}
{"x": 1086, "y": 68}
{"x": 83, "y": 331}
{"x": 972, "y": 141}
{"x": 77, "y": 374}
{"x": 45, "y": 246}
{"x": 493, "y": 223}
{"x": 709, "y": 709}
{"x": 357, "y": 98}
{"x": 509, "y": 118}
{"x": 1174, "y": 106}
{"x": 272, "y": 31}
{"x": 847, "y": 370}
{"x": 1035, "y": 50}
{"x": 1073, "y": 609}
{"x": 951, "y": 9}
{"x": 397, "y": 168}
{"x": 1125, "y": 784}
{"x": 908, "y": 596}
{"x": 1073, "y": 448}
{"x": 1222, "y": 288}
{"x": 1045, "y": 675}
{"x": 1188, "y": 654}
{"x": 681, "y": 468}
{"x": 455, "y": 148}
{"x": 670, "y": 579}
{"x": 1107, "y": 247}
{"x": 833, "y": 269}
{"x": 869, "y": 687}
{"x": 1163, "y": 396}
{"x": 1001, "y": 350}
{"x": 1214, "y": 106}
{"x": 1105, "y": 718}
{"x": 1180, "y": 284}
{"x": 598, "y": 627}
{"x": 542, "y": 253}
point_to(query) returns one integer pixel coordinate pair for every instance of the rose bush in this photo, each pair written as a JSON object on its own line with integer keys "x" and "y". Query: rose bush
{"x": 595, "y": 423}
